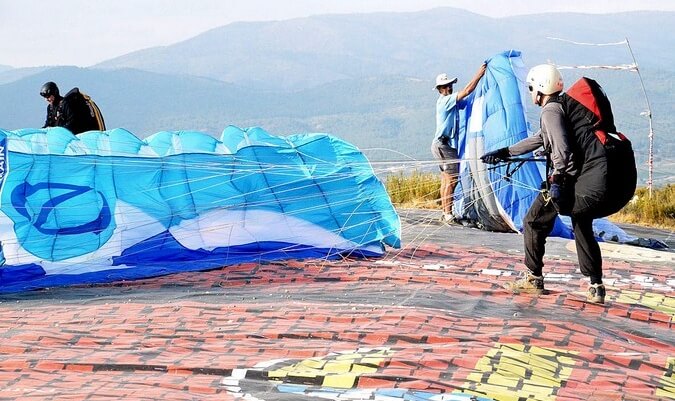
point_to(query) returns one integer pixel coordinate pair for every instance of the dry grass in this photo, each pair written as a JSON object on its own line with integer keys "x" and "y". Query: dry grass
{"x": 422, "y": 190}
{"x": 417, "y": 190}
{"x": 657, "y": 211}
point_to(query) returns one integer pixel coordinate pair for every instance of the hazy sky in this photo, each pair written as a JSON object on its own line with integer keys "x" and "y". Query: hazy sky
{"x": 85, "y": 32}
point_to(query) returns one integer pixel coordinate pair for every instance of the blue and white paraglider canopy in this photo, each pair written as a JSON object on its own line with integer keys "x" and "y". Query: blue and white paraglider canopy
{"x": 106, "y": 206}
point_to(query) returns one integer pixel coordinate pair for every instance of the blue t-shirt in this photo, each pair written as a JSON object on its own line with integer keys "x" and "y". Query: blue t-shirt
{"x": 446, "y": 119}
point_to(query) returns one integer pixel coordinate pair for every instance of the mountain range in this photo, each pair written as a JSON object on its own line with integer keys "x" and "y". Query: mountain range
{"x": 366, "y": 78}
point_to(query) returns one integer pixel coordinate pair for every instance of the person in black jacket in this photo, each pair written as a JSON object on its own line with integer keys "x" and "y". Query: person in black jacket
{"x": 72, "y": 111}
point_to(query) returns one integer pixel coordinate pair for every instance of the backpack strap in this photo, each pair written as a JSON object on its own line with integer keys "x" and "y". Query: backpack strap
{"x": 95, "y": 111}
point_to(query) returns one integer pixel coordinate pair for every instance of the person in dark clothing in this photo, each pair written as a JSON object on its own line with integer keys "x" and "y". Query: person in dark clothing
{"x": 74, "y": 111}
{"x": 545, "y": 84}
{"x": 50, "y": 92}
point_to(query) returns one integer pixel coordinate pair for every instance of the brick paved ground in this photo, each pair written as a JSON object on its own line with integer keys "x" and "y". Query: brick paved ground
{"x": 423, "y": 321}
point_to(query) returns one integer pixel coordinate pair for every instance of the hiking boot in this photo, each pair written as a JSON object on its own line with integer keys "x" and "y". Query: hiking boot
{"x": 449, "y": 220}
{"x": 528, "y": 283}
{"x": 596, "y": 293}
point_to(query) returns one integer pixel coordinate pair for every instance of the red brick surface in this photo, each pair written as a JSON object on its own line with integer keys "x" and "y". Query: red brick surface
{"x": 437, "y": 312}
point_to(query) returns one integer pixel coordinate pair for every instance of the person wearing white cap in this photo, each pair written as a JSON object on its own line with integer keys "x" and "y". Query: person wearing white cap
{"x": 444, "y": 145}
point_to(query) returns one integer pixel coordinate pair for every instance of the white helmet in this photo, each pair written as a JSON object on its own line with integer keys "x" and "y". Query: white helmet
{"x": 544, "y": 79}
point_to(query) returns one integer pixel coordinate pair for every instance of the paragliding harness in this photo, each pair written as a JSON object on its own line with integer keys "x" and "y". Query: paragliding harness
{"x": 608, "y": 175}
{"x": 94, "y": 111}
{"x": 88, "y": 115}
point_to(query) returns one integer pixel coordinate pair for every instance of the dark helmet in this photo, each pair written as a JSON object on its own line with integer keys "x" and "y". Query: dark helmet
{"x": 49, "y": 89}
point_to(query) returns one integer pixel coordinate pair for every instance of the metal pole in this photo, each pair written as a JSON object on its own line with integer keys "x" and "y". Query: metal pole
{"x": 648, "y": 113}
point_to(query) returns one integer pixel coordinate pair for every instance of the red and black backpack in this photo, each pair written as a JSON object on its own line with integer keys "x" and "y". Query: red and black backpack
{"x": 608, "y": 175}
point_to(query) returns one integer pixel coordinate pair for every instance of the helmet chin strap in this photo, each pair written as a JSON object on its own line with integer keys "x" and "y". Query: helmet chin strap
{"x": 537, "y": 98}
{"x": 541, "y": 99}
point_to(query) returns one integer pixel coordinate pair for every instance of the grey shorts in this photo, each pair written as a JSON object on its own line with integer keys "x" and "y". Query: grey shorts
{"x": 447, "y": 156}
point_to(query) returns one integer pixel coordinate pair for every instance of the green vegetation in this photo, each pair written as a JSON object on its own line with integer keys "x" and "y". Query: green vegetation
{"x": 421, "y": 190}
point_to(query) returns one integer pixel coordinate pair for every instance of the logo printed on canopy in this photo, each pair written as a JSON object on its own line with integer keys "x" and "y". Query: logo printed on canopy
{"x": 44, "y": 206}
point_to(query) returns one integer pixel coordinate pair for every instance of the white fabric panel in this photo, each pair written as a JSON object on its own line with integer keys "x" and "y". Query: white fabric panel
{"x": 222, "y": 228}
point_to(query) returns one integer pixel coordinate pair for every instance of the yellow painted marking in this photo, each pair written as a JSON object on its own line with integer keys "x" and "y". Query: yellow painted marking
{"x": 358, "y": 368}
{"x": 340, "y": 381}
{"x": 338, "y": 370}
{"x": 659, "y": 302}
{"x": 372, "y": 361}
{"x": 277, "y": 374}
{"x": 511, "y": 372}
{"x": 313, "y": 363}
{"x": 337, "y": 367}
{"x": 515, "y": 369}
{"x": 667, "y": 387}
{"x": 503, "y": 380}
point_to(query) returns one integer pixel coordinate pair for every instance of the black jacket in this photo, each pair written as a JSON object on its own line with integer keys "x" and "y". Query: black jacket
{"x": 52, "y": 111}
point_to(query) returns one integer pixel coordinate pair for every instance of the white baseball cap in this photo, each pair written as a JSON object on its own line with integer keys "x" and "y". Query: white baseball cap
{"x": 442, "y": 79}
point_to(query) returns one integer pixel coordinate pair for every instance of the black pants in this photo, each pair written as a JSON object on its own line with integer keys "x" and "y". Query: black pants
{"x": 538, "y": 224}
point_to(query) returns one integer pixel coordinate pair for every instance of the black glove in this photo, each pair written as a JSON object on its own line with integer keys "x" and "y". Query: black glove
{"x": 496, "y": 156}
